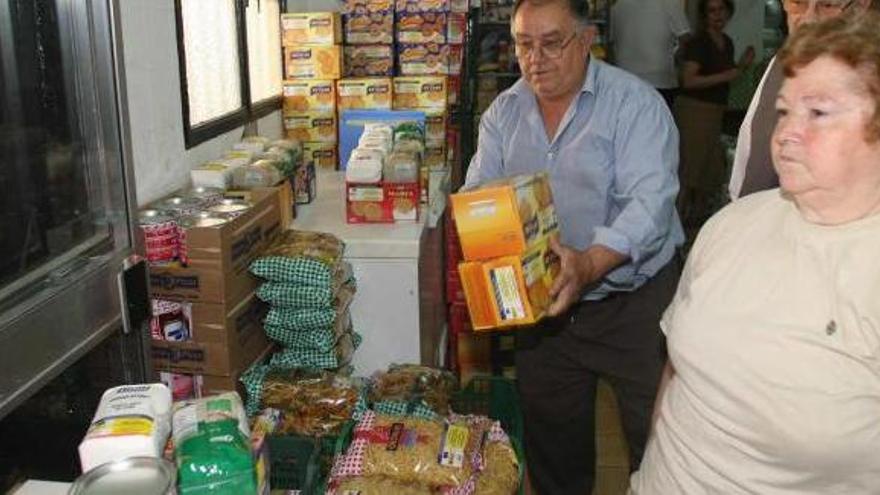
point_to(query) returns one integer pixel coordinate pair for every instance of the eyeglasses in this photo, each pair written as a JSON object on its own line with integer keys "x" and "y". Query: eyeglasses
{"x": 551, "y": 50}
{"x": 824, "y": 8}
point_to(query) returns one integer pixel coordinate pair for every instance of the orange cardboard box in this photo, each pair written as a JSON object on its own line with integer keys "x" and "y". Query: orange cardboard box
{"x": 309, "y": 95}
{"x": 313, "y": 62}
{"x": 510, "y": 290}
{"x": 311, "y": 28}
{"x": 323, "y": 155}
{"x": 366, "y": 93}
{"x": 311, "y": 126}
{"x": 505, "y": 217}
{"x": 416, "y": 93}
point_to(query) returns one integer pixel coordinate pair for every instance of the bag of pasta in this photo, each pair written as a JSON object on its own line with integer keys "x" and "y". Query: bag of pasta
{"x": 311, "y": 403}
{"x": 378, "y": 485}
{"x": 412, "y": 389}
{"x": 411, "y": 450}
{"x": 496, "y": 467}
{"x": 302, "y": 257}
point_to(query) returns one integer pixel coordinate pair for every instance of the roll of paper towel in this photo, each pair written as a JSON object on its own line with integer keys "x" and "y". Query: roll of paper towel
{"x": 131, "y": 420}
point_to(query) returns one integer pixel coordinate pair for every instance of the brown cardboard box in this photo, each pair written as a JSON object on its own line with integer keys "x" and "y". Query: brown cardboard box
{"x": 416, "y": 93}
{"x": 219, "y": 256}
{"x": 372, "y": 93}
{"x": 311, "y": 28}
{"x": 368, "y": 60}
{"x": 313, "y": 62}
{"x": 309, "y": 95}
{"x": 323, "y": 155}
{"x": 311, "y": 126}
{"x": 225, "y": 339}
{"x": 423, "y": 59}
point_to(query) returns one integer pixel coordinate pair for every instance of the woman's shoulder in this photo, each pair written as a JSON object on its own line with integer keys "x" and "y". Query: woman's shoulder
{"x": 757, "y": 212}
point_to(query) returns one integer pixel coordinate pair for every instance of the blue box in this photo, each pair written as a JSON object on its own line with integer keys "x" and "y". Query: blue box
{"x": 351, "y": 126}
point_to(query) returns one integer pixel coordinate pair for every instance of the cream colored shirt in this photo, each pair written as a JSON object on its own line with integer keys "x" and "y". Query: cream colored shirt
{"x": 774, "y": 334}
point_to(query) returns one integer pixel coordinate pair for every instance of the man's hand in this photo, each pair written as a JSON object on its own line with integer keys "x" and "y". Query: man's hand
{"x": 577, "y": 270}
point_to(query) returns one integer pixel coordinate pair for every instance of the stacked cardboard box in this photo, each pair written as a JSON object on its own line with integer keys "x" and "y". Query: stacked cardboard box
{"x": 312, "y": 63}
{"x": 426, "y": 94}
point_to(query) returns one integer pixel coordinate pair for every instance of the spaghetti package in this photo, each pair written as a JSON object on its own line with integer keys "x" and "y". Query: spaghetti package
{"x": 311, "y": 404}
{"x": 413, "y": 389}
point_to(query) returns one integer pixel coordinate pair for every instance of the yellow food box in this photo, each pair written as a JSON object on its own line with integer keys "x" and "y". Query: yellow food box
{"x": 510, "y": 290}
{"x": 309, "y": 95}
{"x": 316, "y": 28}
{"x": 323, "y": 155}
{"x": 311, "y": 126}
{"x": 505, "y": 217}
{"x": 435, "y": 127}
{"x": 364, "y": 93}
{"x": 313, "y": 62}
{"x": 414, "y": 93}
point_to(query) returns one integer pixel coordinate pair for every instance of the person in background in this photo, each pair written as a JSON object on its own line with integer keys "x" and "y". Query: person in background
{"x": 752, "y": 169}
{"x": 773, "y": 380}
{"x": 707, "y": 70}
{"x": 645, "y": 36}
{"x": 610, "y": 147}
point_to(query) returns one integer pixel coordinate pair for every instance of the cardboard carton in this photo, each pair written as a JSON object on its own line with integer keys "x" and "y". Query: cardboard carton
{"x": 311, "y": 126}
{"x": 323, "y": 155}
{"x": 316, "y": 28}
{"x": 421, "y": 27}
{"x": 364, "y": 93}
{"x": 382, "y": 203}
{"x": 369, "y": 60}
{"x": 435, "y": 128}
{"x": 423, "y": 59}
{"x": 419, "y": 92}
{"x": 309, "y": 95}
{"x": 313, "y": 62}
{"x": 375, "y": 27}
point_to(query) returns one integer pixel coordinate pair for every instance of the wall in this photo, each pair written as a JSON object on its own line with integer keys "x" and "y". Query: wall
{"x": 313, "y": 5}
{"x": 161, "y": 162}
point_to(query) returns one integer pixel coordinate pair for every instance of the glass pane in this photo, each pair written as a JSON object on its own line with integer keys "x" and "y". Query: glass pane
{"x": 212, "y": 66}
{"x": 264, "y": 48}
{"x": 51, "y": 201}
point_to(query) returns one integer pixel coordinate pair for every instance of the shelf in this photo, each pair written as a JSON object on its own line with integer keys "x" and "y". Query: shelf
{"x": 499, "y": 75}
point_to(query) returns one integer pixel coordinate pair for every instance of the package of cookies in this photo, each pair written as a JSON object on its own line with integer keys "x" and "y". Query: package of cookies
{"x": 311, "y": 126}
{"x": 419, "y": 92}
{"x": 364, "y": 93}
{"x": 365, "y": 203}
{"x": 421, "y": 27}
{"x": 366, "y": 6}
{"x": 412, "y": 6}
{"x": 369, "y": 27}
{"x": 369, "y": 60}
{"x": 423, "y": 59}
{"x": 311, "y": 28}
{"x": 308, "y": 95}
{"x": 403, "y": 200}
{"x": 313, "y": 62}
{"x": 435, "y": 127}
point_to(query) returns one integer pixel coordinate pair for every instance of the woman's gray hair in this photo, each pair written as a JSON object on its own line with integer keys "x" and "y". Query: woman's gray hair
{"x": 579, "y": 9}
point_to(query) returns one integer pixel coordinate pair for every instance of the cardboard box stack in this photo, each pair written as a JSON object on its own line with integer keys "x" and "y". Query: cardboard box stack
{"x": 426, "y": 94}
{"x": 313, "y": 62}
{"x": 508, "y": 267}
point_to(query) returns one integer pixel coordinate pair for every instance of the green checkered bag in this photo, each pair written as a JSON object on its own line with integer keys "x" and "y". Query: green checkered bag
{"x": 252, "y": 379}
{"x": 296, "y": 296}
{"x": 301, "y": 257}
{"x": 414, "y": 409}
{"x": 320, "y": 338}
{"x": 316, "y": 358}
{"x": 302, "y": 271}
{"x": 301, "y": 320}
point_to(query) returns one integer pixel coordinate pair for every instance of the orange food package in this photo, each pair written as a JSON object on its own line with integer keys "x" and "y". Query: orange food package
{"x": 364, "y": 93}
{"x": 369, "y": 60}
{"x": 313, "y": 62}
{"x": 311, "y": 28}
{"x": 309, "y": 95}
{"x": 415, "y": 93}
{"x": 323, "y": 155}
{"x": 311, "y": 126}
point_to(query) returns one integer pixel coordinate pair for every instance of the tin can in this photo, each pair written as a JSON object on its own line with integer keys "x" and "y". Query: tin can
{"x": 230, "y": 208}
{"x": 143, "y": 475}
{"x": 206, "y": 196}
{"x": 179, "y": 206}
{"x": 202, "y": 219}
{"x": 160, "y": 236}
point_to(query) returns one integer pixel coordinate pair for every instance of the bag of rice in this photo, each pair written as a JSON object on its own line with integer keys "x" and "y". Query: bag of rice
{"x": 212, "y": 446}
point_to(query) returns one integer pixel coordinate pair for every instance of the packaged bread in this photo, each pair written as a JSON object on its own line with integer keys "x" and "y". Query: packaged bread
{"x": 254, "y": 144}
{"x": 308, "y": 95}
{"x": 421, "y": 27}
{"x": 214, "y": 174}
{"x": 415, "y": 93}
{"x": 369, "y": 60}
{"x": 313, "y": 62}
{"x": 261, "y": 173}
{"x": 311, "y": 126}
{"x": 311, "y": 28}
{"x": 311, "y": 403}
{"x": 375, "y": 27}
{"x": 423, "y": 59}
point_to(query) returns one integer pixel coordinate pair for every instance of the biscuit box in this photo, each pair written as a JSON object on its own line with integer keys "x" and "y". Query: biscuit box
{"x": 366, "y": 6}
{"x": 506, "y": 217}
{"x": 402, "y": 6}
{"x": 312, "y": 28}
{"x": 435, "y": 127}
{"x": 311, "y": 126}
{"x": 364, "y": 93}
{"x": 419, "y": 92}
{"x": 423, "y": 59}
{"x": 313, "y": 62}
{"x": 421, "y": 27}
{"x": 322, "y": 155}
{"x": 309, "y": 95}
{"x": 375, "y": 27}
{"x": 510, "y": 290}
{"x": 382, "y": 203}
{"x": 369, "y": 60}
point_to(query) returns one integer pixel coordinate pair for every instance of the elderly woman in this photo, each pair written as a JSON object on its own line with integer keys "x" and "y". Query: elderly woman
{"x": 773, "y": 381}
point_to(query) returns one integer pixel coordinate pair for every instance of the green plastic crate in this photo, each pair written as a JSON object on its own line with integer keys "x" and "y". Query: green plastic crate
{"x": 294, "y": 463}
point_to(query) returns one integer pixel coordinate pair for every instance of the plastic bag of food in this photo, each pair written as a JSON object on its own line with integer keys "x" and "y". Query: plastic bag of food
{"x": 411, "y": 450}
{"x": 324, "y": 338}
{"x": 414, "y": 388}
{"x": 312, "y": 358}
{"x": 296, "y": 296}
{"x": 212, "y": 446}
{"x": 402, "y": 166}
{"x": 261, "y": 173}
{"x": 304, "y": 319}
{"x": 495, "y": 464}
{"x": 311, "y": 403}
{"x": 302, "y": 257}
{"x": 377, "y": 485}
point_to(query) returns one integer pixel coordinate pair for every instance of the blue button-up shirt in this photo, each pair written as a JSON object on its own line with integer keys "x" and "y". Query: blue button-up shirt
{"x": 612, "y": 165}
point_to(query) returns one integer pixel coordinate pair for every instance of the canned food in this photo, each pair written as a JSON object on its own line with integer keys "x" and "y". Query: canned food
{"x": 160, "y": 236}
{"x": 230, "y": 208}
{"x": 207, "y": 196}
{"x": 181, "y": 205}
{"x": 141, "y": 475}
{"x": 201, "y": 219}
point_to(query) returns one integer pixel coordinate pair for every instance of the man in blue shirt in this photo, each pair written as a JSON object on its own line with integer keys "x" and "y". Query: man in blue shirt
{"x": 611, "y": 149}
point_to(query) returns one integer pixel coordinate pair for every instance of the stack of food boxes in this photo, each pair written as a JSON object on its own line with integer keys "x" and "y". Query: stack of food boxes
{"x": 312, "y": 64}
{"x": 504, "y": 227}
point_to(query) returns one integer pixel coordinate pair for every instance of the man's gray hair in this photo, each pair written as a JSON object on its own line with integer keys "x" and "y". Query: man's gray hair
{"x": 579, "y": 9}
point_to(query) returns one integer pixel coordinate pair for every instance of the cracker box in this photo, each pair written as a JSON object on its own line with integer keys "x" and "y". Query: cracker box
{"x": 313, "y": 62}
{"x": 419, "y": 92}
{"x": 364, "y": 93}
{"x": 402, "y": 6}
{"x": 423, "y": 59}
{"x": 510, "y": 290}
{"x": 382, "y": 203}
{"x": 309, "y": 95}
{"x": 435, "y": 127}
{"x": 311, "y": 126}
{"x": 421, "y": 27}
{"x": 322, "y": 155}
{"x": 366, "y": 6}
{"x": 369, "y": 28}
{"x": 506, "y": 217}
{"x": 312, "y": 28}
{"x": 369, "y": 60}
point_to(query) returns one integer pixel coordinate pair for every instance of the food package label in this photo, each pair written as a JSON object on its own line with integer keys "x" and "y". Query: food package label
{"x": 419, "y": 92}
{"x": 309, "y": 95}
{"x": 369, "y": 28}
{"x": 311, "y": 126}
{"x": 323, "y": 155}
{"x": 365, "y": 93}
{"x": 369, "y": 60}
{"x": 314, "y": 28}
{"x": 313, "y": 62}
{"x": 366, "y": 6}
{"x": 421, "y": 27}
{"x": 423, "y": 59}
